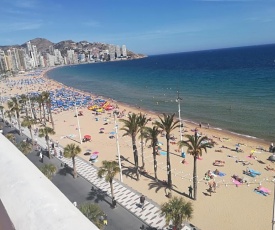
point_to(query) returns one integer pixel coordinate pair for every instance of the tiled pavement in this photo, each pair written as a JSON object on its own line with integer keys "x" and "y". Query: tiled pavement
{"x": 125, "y": 196}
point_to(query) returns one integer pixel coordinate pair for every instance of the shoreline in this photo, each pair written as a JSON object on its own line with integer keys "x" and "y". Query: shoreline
{"x": 155, "y": 113}
{"x": 233, "y": 199}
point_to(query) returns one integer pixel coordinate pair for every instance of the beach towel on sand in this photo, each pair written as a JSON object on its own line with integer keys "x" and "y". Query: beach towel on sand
{"x": 254, "y": 172}
{"x": 236, "y": 182}
{"x": 250, "y": 174}
{"x": 260, "y": 192}
{"x": 266, "y": 190}
{"x": 221, "y": 174}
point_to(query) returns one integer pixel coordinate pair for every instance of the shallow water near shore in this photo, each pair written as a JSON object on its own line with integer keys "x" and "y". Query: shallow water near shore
{"x": 231, "y": 89}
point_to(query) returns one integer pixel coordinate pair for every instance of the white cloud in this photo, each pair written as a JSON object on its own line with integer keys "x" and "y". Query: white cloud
{"x": 19, "y": 26}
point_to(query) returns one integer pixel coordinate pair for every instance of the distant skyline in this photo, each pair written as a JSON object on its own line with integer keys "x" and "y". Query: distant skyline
{"x": 144, "y": 26}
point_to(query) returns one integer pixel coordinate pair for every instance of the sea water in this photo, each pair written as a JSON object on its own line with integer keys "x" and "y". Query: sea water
{"x": 231, "y": 89}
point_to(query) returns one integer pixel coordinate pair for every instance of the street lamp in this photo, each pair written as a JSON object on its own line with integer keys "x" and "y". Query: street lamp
{"x": 117, "y": 145}
{"x": 178, "y": 100}
{"x": 78, "y": 123}
{"x": 273, "y": 218}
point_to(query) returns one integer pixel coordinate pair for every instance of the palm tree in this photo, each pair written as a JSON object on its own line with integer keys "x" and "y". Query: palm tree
{"x": 14, "y": 106}
{"x": 9, "y": 113}
{"x": 176, "y": 211}
{"x": 167, "y": 124}
{"x": 142, "y": 121}
{"x": 45, "y": 132}
{"x": 2, "y": 111}
{"x": 93, "y": 212}
{"x": 11, "y": 138}
{"x": 25, "y": 147}
{"x": 109, "y": 169}
{"x": 131, "y": 129}
{"x": 152, "y": 134}
{"x": 47, "y": 98}
{"x": 28, "y": 122}
{"x": 48, "y": 170}
{"x": 23, "y": 101}
{"x": 33, "y": 101}
{"x": 40, "y": 102}
{"x": 71, "y": 151}
{"x": 195, "y": 145}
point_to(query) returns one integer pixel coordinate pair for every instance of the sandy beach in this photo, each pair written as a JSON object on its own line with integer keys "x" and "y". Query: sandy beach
{"x": 231, "y": 207}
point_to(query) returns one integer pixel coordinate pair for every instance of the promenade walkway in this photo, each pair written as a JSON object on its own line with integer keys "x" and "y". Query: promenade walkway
{"x": 124, "y": 195}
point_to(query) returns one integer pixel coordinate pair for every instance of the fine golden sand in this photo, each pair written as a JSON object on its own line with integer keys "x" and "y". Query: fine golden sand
{"x": 231, "y": 207}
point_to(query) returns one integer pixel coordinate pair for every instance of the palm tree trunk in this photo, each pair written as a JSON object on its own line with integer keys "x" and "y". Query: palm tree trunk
{"x": 44, "y": 114}
{"x": 40, "y": 112}
{"x": 169, "y": 166}
{"x": 135, "y": 156}
{"x": 18, "y": 120}
{"x": 30, "y": 129}
{"x": 47, "y": 141}
{"x": 155, "y": 162}
{"x": 195, "y": 177}
{"x": 74, "y": 167}
{"x": 112, "y": 188}
{"x": 51, "y": 116}
{"x": 142, "y": 154}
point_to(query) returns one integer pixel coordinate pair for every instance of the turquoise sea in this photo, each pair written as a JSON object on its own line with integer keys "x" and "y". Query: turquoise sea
{"x": 231, "y": 89}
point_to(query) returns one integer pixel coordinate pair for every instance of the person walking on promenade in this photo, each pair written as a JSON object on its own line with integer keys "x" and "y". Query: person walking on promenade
{"x": 190, "y": 191}
{"x": 41, "y": 156}
{"x": 142, "y": 200}
{"x": 105, "y": 220}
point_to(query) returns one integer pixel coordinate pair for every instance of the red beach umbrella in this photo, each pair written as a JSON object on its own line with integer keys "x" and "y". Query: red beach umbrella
{"x": 87, "y": 136}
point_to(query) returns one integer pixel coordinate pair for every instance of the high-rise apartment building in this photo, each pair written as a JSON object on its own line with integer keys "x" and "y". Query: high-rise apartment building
{"x": 112, "y": 52}
{"x": 3, "y": 62}
{"x": 58, "y": 57}
{"x": 124, "y": 51}
{"x": 22, "y": 57}
{"x": 118, "y": 52}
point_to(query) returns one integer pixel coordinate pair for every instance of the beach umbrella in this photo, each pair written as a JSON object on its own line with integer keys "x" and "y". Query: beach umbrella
{"x": 87, "y": 136}
{"x": 93, "y": 157}
{"x": 159, "y": 143}
{"x": 271, "y": 158}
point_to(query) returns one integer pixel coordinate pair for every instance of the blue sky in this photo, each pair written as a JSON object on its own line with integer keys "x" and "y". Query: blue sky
{"x": 144, "y": 26}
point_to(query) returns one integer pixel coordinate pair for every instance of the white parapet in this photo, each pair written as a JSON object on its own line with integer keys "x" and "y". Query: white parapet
{"x": 31, "y": 200}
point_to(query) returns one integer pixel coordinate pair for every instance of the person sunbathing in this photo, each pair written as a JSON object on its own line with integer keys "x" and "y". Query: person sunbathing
{"x": 216, "y": 172}
{"x": 269, "y": 168}
{"x": 262, "y": 190}
{"x": 237, "y": 178}
{"x": 218, "y": 163}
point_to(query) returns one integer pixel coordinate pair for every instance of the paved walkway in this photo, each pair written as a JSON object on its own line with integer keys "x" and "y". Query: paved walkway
{"x": 125, "y": 196}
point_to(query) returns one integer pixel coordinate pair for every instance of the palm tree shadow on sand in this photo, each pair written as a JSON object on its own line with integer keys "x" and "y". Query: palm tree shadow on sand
{"x": 158, "y": 185}
{"x": 129, "y": 172}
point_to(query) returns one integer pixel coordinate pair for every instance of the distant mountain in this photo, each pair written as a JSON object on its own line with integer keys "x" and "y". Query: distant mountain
{"x": 43, "y": 45}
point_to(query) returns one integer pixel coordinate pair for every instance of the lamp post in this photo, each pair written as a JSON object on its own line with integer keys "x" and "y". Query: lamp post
{"x": 117, "y": 145}
{"x": 178, "y": 100}
{"x": 273, "y": 218}
{"x": 76, "y": 112}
